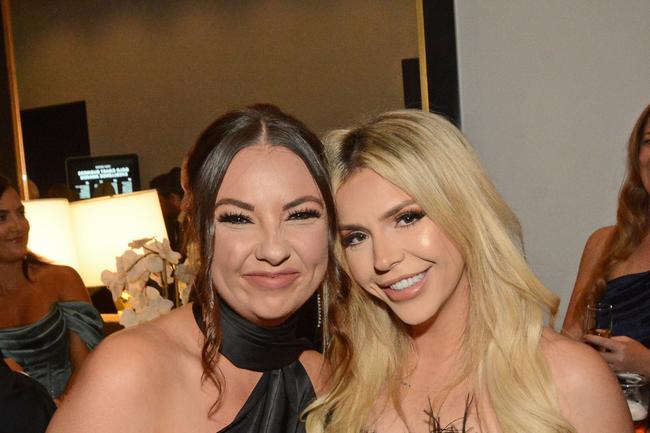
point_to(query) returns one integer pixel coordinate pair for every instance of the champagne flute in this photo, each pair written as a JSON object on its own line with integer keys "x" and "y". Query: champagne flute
{"x": 598, "y": 321}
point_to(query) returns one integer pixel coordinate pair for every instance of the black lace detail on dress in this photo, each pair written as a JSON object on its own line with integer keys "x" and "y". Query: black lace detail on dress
{"x": 436, "y": 427}
{"x": 433, "y": 420}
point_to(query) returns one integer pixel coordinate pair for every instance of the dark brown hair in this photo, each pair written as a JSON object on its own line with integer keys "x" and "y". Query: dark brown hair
{"x": 205, "y": 168}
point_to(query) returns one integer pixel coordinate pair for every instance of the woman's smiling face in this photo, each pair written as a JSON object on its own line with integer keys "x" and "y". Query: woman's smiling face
{"x": 14, "y": 227}
{"x": 394, "y": 251}
{"x": 270, "y": 235}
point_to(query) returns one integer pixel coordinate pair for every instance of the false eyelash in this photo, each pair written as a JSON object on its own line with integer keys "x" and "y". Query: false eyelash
{"x": 233, "y": 218}
{"x": 417, "y": 215}
{"x": 305, "y": 213}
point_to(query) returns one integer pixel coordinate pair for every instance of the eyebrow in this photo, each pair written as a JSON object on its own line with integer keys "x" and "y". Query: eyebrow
{"x": 303, "y": 199}
{"x": 235, "y": 202}
{"x": 251, "y": 208}
{"x": 395, "y": 209}
{"x": 389, "y": 213}
{"x": 351, "y": 228}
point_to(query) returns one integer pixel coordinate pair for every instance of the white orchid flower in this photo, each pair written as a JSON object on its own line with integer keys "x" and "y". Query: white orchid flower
{"x": 149, "y": 305}
{"x": 138, "y": 272}
{"x": 126, "y": 260}
{"x": 128, "y": 318}
{"x": 160, "y": 304}
{"x": 164, "y": 250}
{"x": 139, "y": 243}
{"x": 115, "y": 282}
{"x": 143, "y": 302}
{"x": 153, "y": 263}
{"x": 130, "y": 263}
{"x": 135, "y": 288}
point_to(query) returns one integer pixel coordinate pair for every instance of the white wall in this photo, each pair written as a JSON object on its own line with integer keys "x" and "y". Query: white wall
{"x": 154, "y": 74}
{"x": 550, "y": 91}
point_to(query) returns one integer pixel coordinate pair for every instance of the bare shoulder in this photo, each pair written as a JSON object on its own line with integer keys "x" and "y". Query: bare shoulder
{"x": 598, "y": 240}
{"x": 587, "y": 389}
{"x": 65, "y": 280}
{"x": 133, "y": 373}
{"x": 316, "y": 367}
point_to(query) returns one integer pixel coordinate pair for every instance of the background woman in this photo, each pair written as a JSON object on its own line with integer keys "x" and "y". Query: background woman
{"x": 446, "y": 321}
{"x": 261, "y": 214}
{"x": 615, "y": 266}
{"x": 47, "y": 324}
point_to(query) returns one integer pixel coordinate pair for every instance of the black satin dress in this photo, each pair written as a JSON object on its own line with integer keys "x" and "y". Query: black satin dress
{"x": 630, "y": 296}
{"x": 284, "y": 390}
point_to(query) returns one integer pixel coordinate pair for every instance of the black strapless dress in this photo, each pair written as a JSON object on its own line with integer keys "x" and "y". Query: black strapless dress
{"x": 284, "y": 390}
{"x": 630, "y": 296}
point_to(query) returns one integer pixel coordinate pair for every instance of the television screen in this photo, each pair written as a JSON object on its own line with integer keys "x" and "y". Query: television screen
{"x": 94, "y": 176}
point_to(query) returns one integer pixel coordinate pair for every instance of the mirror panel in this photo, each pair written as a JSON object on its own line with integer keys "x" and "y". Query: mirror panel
{"x": 154, "y": 75}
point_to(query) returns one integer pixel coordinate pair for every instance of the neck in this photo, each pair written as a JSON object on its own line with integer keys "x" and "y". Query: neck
{"x": 253, "y": 347}
{"x": 12, "y": 275}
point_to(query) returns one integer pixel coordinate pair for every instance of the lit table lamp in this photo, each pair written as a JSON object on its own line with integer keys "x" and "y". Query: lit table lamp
{"x": 105, "y": 226}
{"x": 89, "y": 234}
{"x": 51, "y": 235}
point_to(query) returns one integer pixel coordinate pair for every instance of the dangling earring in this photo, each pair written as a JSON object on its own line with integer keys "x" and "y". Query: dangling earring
{"x": 320, "y": 311}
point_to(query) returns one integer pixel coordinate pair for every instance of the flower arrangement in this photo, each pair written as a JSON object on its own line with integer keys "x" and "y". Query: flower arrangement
{"x": 145, "y": 270}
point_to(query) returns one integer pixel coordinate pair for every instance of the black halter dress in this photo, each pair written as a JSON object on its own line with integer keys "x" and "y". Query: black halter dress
{"x": 284, "y": 390}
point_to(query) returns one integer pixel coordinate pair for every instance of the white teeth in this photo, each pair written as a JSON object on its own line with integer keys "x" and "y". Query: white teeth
{"x": 407, "y": 282}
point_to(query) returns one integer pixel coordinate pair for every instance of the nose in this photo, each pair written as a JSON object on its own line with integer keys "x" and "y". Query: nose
{"x": 273, "y": 247}
{"x": 385, "y": 254}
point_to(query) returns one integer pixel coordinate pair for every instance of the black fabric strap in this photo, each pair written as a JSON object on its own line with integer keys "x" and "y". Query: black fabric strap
{"x": 254, "y": 347}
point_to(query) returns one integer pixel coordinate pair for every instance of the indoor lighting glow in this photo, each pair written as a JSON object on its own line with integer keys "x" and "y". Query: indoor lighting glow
{"x": 104, "y": 226}
{"x": 51, "y": 235}
{"x": 101, "y": 229}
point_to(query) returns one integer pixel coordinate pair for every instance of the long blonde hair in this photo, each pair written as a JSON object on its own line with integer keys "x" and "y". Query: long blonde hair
{"x": 428, "y": 158}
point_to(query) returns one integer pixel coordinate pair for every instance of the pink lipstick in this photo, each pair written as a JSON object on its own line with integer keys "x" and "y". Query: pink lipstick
{"x": 272, "y": 280}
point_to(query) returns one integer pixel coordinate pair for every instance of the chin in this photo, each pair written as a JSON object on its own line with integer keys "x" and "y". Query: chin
{"x": 273, "y": 312}
{"x": 415, "y": 319}
{"x": 414, "y": 315}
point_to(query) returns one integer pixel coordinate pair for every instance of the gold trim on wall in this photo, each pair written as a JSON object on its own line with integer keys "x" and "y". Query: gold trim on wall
{"x": 21, "y": 167}
{"x": 422, "y": 54}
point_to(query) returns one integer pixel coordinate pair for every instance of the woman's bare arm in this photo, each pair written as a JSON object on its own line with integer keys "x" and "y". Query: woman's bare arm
{"x": 594, "y": 249}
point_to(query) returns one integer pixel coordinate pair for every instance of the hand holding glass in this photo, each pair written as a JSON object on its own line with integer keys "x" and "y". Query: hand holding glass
{"x": 598, "y": 321}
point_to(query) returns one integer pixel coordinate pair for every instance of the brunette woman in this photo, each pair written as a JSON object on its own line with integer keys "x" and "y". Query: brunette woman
{"x": 615, "y": 267}
{"x": 261, "y": 214}
{"x": 47, "y": 323}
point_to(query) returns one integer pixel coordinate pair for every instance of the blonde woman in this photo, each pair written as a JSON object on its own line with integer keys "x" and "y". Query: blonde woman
{"x": 446, "y": 328}
{"x": 615, "y": 266}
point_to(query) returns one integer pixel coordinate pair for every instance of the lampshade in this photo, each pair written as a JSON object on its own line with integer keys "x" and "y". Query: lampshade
{"x": 104, "y": 227}
{"x": 51, "y": 235}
